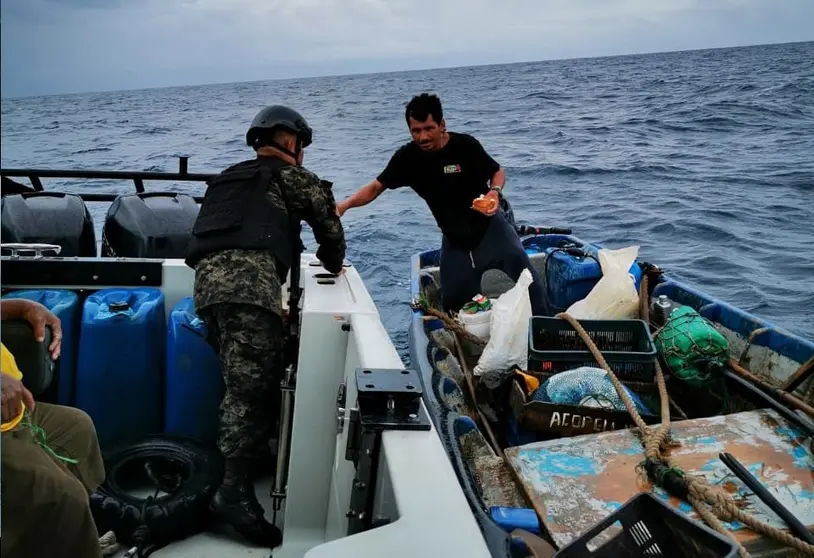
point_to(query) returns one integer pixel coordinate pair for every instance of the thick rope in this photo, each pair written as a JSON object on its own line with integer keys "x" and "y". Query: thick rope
{"x": 722, "y": 505}
{"x": 714, "y": 522}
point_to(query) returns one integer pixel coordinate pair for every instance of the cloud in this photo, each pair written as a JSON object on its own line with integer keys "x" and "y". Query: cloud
{"x": 76, "y": 45}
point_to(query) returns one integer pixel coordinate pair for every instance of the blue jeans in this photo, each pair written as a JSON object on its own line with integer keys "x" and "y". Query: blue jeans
{"x": 501, "y": 249}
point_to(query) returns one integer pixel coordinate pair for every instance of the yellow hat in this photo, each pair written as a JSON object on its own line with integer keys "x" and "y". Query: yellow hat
{"x": 8, "y": 365}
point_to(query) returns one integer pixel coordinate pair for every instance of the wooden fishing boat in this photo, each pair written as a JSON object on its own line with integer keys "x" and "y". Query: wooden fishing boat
{"x": 557, "y": 470}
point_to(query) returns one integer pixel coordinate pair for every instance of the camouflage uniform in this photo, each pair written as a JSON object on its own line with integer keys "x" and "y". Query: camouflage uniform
{"x": 238, "y": 293}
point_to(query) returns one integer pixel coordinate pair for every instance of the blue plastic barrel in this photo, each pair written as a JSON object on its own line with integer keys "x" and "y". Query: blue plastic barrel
{"x": 120, "y": 369}
{"x": 65, "y": 306}
{"x": 194, "y": 385}
{"x": 569, "y": 278}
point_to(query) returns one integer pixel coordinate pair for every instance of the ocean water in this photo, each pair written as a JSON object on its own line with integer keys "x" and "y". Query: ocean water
{"x": 704, "y": 159}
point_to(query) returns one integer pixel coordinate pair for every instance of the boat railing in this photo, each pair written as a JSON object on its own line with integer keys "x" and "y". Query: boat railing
{"x": 183, "y": 175}
{"x": 137, "y": 177}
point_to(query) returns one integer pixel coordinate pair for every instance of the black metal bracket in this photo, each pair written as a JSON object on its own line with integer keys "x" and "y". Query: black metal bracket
{"x": 387, "y": 399}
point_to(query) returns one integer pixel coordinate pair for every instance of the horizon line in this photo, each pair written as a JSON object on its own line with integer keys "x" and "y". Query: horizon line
{"x": 419, "y": 69}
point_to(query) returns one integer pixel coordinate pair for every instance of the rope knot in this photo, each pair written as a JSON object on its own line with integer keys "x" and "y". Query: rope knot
{"x": 722, "y": 510}
{"x": 718, "y": 498}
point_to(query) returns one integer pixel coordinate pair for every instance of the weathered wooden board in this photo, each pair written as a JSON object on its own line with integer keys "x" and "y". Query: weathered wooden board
{"x": 576, "y": 482}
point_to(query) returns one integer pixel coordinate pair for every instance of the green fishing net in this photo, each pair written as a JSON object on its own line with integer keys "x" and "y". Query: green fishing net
{"x": 691, "y": 347}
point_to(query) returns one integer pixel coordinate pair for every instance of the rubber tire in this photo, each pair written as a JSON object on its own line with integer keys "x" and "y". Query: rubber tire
{"x": 170, "y": 517}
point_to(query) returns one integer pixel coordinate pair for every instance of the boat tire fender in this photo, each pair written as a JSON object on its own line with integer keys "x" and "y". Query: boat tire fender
{"x": 186, "y": 471}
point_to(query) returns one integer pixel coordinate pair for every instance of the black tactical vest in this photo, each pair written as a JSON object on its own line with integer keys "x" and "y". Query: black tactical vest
{"x": 236, "y": 213}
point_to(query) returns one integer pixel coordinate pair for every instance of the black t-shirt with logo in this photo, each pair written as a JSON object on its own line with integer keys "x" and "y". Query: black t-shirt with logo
{"x": 448, "y": 179}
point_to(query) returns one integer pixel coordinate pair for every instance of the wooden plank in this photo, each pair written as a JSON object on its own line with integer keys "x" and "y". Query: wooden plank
{"x": 575, "y": 482}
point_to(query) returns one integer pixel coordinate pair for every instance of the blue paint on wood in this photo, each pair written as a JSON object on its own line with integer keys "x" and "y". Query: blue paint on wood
{"x": 711, "y": 465}
{"x": 633, "y": 451}
{"x": 801, "y": 457}
{"x": 563, "y": 464}
{"x": 685, "y": 507}
{"x": 789, "y": 434}
{"x": 755, "y": 468}
{"x": 688, "y": 508}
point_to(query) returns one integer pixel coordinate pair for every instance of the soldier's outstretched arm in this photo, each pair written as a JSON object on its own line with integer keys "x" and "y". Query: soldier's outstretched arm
{"x": 317, "y": 206}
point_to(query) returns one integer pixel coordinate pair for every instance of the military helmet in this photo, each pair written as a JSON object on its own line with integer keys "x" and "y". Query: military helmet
{"x": 279, "y": 116}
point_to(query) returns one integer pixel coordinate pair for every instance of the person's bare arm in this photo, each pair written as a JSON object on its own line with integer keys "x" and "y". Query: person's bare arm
{"x": 363, "y": 196}
{"x": 498, "y": 179}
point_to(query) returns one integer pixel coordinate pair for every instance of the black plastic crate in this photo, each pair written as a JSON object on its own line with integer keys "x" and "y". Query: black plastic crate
{"x": 650, "y": 527}
{"x": 555, "y": 346}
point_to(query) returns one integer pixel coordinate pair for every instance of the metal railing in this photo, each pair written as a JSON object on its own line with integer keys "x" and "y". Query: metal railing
{"x": 138, "y": 178}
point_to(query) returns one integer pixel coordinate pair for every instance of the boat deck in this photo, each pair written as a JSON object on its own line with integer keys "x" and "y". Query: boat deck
{"x": 217, "y": 545}
{"x": 574, "y": 483}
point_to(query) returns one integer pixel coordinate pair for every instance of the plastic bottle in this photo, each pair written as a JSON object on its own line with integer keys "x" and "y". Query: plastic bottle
{"x": 661, "y": 308}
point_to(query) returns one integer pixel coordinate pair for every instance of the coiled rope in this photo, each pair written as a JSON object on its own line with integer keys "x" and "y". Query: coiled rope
{"x": 712, "y": 503}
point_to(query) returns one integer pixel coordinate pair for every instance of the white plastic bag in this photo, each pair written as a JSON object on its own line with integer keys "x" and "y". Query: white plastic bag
{"x": 614, "y": 296}
{"x": 509, "y": 329}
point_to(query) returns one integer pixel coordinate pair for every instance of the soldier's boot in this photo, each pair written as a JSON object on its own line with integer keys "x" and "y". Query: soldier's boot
{"x": 235, "y": 504}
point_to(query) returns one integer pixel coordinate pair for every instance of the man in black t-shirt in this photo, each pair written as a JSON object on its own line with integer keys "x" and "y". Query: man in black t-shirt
{"x": 449, "y": 171}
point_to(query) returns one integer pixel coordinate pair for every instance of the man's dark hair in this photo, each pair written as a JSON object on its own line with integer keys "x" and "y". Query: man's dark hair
{"x": 422, "y": 106}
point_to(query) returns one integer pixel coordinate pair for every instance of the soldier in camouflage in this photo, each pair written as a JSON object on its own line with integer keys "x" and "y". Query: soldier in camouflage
{"x": 242, "y": 248}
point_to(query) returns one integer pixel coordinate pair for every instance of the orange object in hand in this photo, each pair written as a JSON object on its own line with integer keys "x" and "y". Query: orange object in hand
{"x": 484, "y": 204}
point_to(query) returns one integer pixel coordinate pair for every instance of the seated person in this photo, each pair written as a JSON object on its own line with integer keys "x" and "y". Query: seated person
{"x": 50, "y": 460}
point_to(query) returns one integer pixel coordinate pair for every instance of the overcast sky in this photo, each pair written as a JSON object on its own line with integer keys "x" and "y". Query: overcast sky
{"x": 60, "y": 46}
